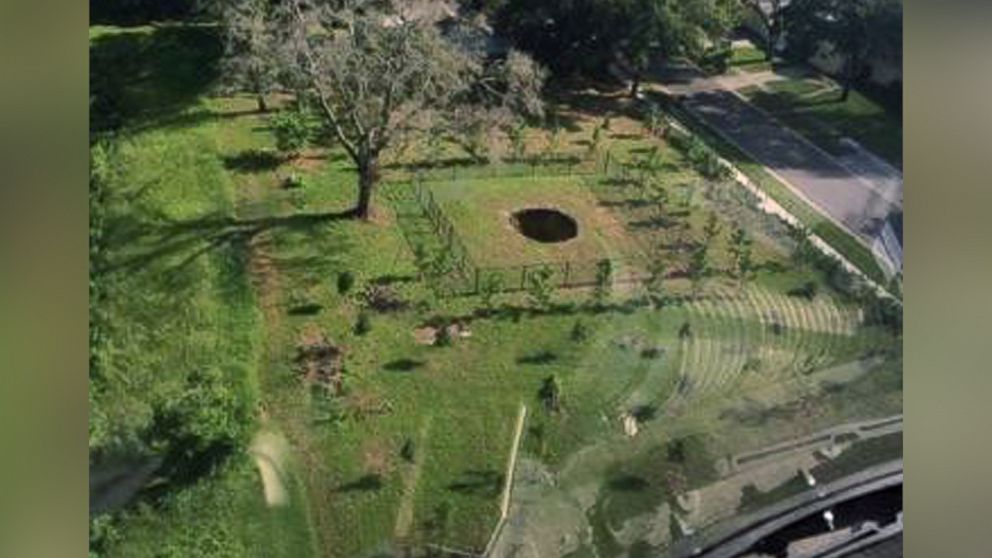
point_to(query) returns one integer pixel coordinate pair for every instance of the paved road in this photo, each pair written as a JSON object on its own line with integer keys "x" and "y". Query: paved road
{"x": 854, "y": 189}
{"x": 830, "y": 186}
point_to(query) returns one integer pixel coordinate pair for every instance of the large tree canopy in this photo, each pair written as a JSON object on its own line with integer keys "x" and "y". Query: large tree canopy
{"x": 588, "y": 36}
{"x": 378, "y": 71}
{"x": 856, "y": 30}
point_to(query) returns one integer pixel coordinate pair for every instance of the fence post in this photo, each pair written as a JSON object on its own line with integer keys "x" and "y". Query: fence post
{"x": 568, "y": 271}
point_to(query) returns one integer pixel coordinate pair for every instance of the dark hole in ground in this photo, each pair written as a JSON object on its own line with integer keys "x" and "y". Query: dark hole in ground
{"x": 545, "y": 225}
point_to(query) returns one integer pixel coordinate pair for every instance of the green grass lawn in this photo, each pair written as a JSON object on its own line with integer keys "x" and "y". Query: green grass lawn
{"x": 481, "y": 211}
{"x": 749, "y": 59}
{"x": 218, "y": 265}
{"x": 813, "y": 109}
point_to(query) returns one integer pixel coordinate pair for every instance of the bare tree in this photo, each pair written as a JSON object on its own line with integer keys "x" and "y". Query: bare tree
{"x": 377, "y": 72}
{"x": 249, "y": 62}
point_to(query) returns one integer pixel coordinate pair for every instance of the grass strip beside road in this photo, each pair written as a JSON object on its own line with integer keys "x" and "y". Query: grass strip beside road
{"x": 830, "y": 232}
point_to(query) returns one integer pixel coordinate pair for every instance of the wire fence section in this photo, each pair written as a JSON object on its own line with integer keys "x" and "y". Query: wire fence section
{"x": 462, "y": 276}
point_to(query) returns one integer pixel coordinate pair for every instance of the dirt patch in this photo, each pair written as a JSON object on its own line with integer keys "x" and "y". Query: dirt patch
{"x": 427, "y": 335}
{"x": 376, "y": 457}
{"x": 318, "y": 360}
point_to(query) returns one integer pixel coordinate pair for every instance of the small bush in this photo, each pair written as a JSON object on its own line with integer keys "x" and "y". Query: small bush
{"x": 292, "y": 131}
{"x": 408, "y": 451}
{"x": 293, "y": 181}
{"x": 364, "y": 323}
{"x": 443, "y": 337}
{"x": 346, "y": 280}
{"x": 652, "y": 353}
{"x": 717, "y": 59}
{"x": 298, "y": 197}
{"x": 807, "y": 290}
{"x": 580, "y": 332}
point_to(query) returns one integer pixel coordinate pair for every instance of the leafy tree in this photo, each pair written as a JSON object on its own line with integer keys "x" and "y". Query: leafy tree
{"x": 604, "y": 282}
{"x": 491, "y": 286}
{"x": 856, "y": 30}
{"x": 364, "y": 323}
{"x": 377, "y": 72}
{"x": 408, "y": 450}
{"x": 655, "y": 283}
{"x": 292, "y": 131}
{"x": 539, "y": 287}
{"x": 740, "y": 249}
{"x": 595, "y": 141}
{"x": 553, "y": 146}
{"x": 580, "y": 331}
{"x": 654, "y": 119}
{"x": 803, "y": 251}
{"x": 586, "y": 36}
{"x": 550, "y": 393}
{"x": 250, "y": 63}
{"x": 443, "y": 338}
{"x": 770, "y": 14}
{"x": 346, "y": 280}
{"x": 699, "y": 265}
{"x": 711, "y": 229}
{"x": 518, "y": 139}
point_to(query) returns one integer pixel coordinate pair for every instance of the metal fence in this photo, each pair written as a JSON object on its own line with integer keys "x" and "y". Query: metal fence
{"x": 467, "y": 278}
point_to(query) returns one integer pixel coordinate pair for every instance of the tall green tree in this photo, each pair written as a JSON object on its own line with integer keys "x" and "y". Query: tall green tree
{"x": 740, "y": 249}
{"x": 770, "y": 14}
{"x": 589, "y": 36}
{"x": 856, "y": 30}
{"x": 699, "y": 266}
{"x": 378, "y": 71}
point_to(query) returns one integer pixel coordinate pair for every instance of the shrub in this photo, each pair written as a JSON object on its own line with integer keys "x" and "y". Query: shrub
{"x": 364, "y": 323}
{"x": 408, "y": 451}
{"x": 539, "y": 287}
{"x": 298, "y": 197}
{"x": 443, "y": 337}
{"x": 346, "y": 280}
{"x": 807, "y": 290}
{"x": 292, "y": 131}
{"x": 580, "y": 332}
{"x": 717, "y": 58}
{"x": 293, "y": 181}
{"x": 490, "y": 287}
{"x": 604, "y": 280}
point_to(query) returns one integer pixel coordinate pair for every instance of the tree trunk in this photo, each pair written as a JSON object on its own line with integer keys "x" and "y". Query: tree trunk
{"x": 262, "y": 106}
{"x": 771, "y": 42}
{"x": 368, "y": 175}
{"x": 635, "y": 85}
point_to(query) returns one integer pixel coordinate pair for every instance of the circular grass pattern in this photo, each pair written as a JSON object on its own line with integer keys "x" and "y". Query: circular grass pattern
{"x": 545, "y": 225}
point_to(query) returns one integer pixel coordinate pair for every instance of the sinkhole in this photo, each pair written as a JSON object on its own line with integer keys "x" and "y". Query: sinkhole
{"x": 545, "y": 225}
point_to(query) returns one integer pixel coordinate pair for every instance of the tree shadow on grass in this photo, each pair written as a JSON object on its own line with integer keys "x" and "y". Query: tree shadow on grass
{"x": 487, "y": 482}
{"x": 310, "y": 309}
{"x": 539, "y": 358}
{"x": 146, "y": 78}
{"x": 197, "y": 237}
{"x": 627, "y": 483}
{"x": 366, "y": 483}
{"x": 253, "y": 161}
{"x": 403, "y": 365}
